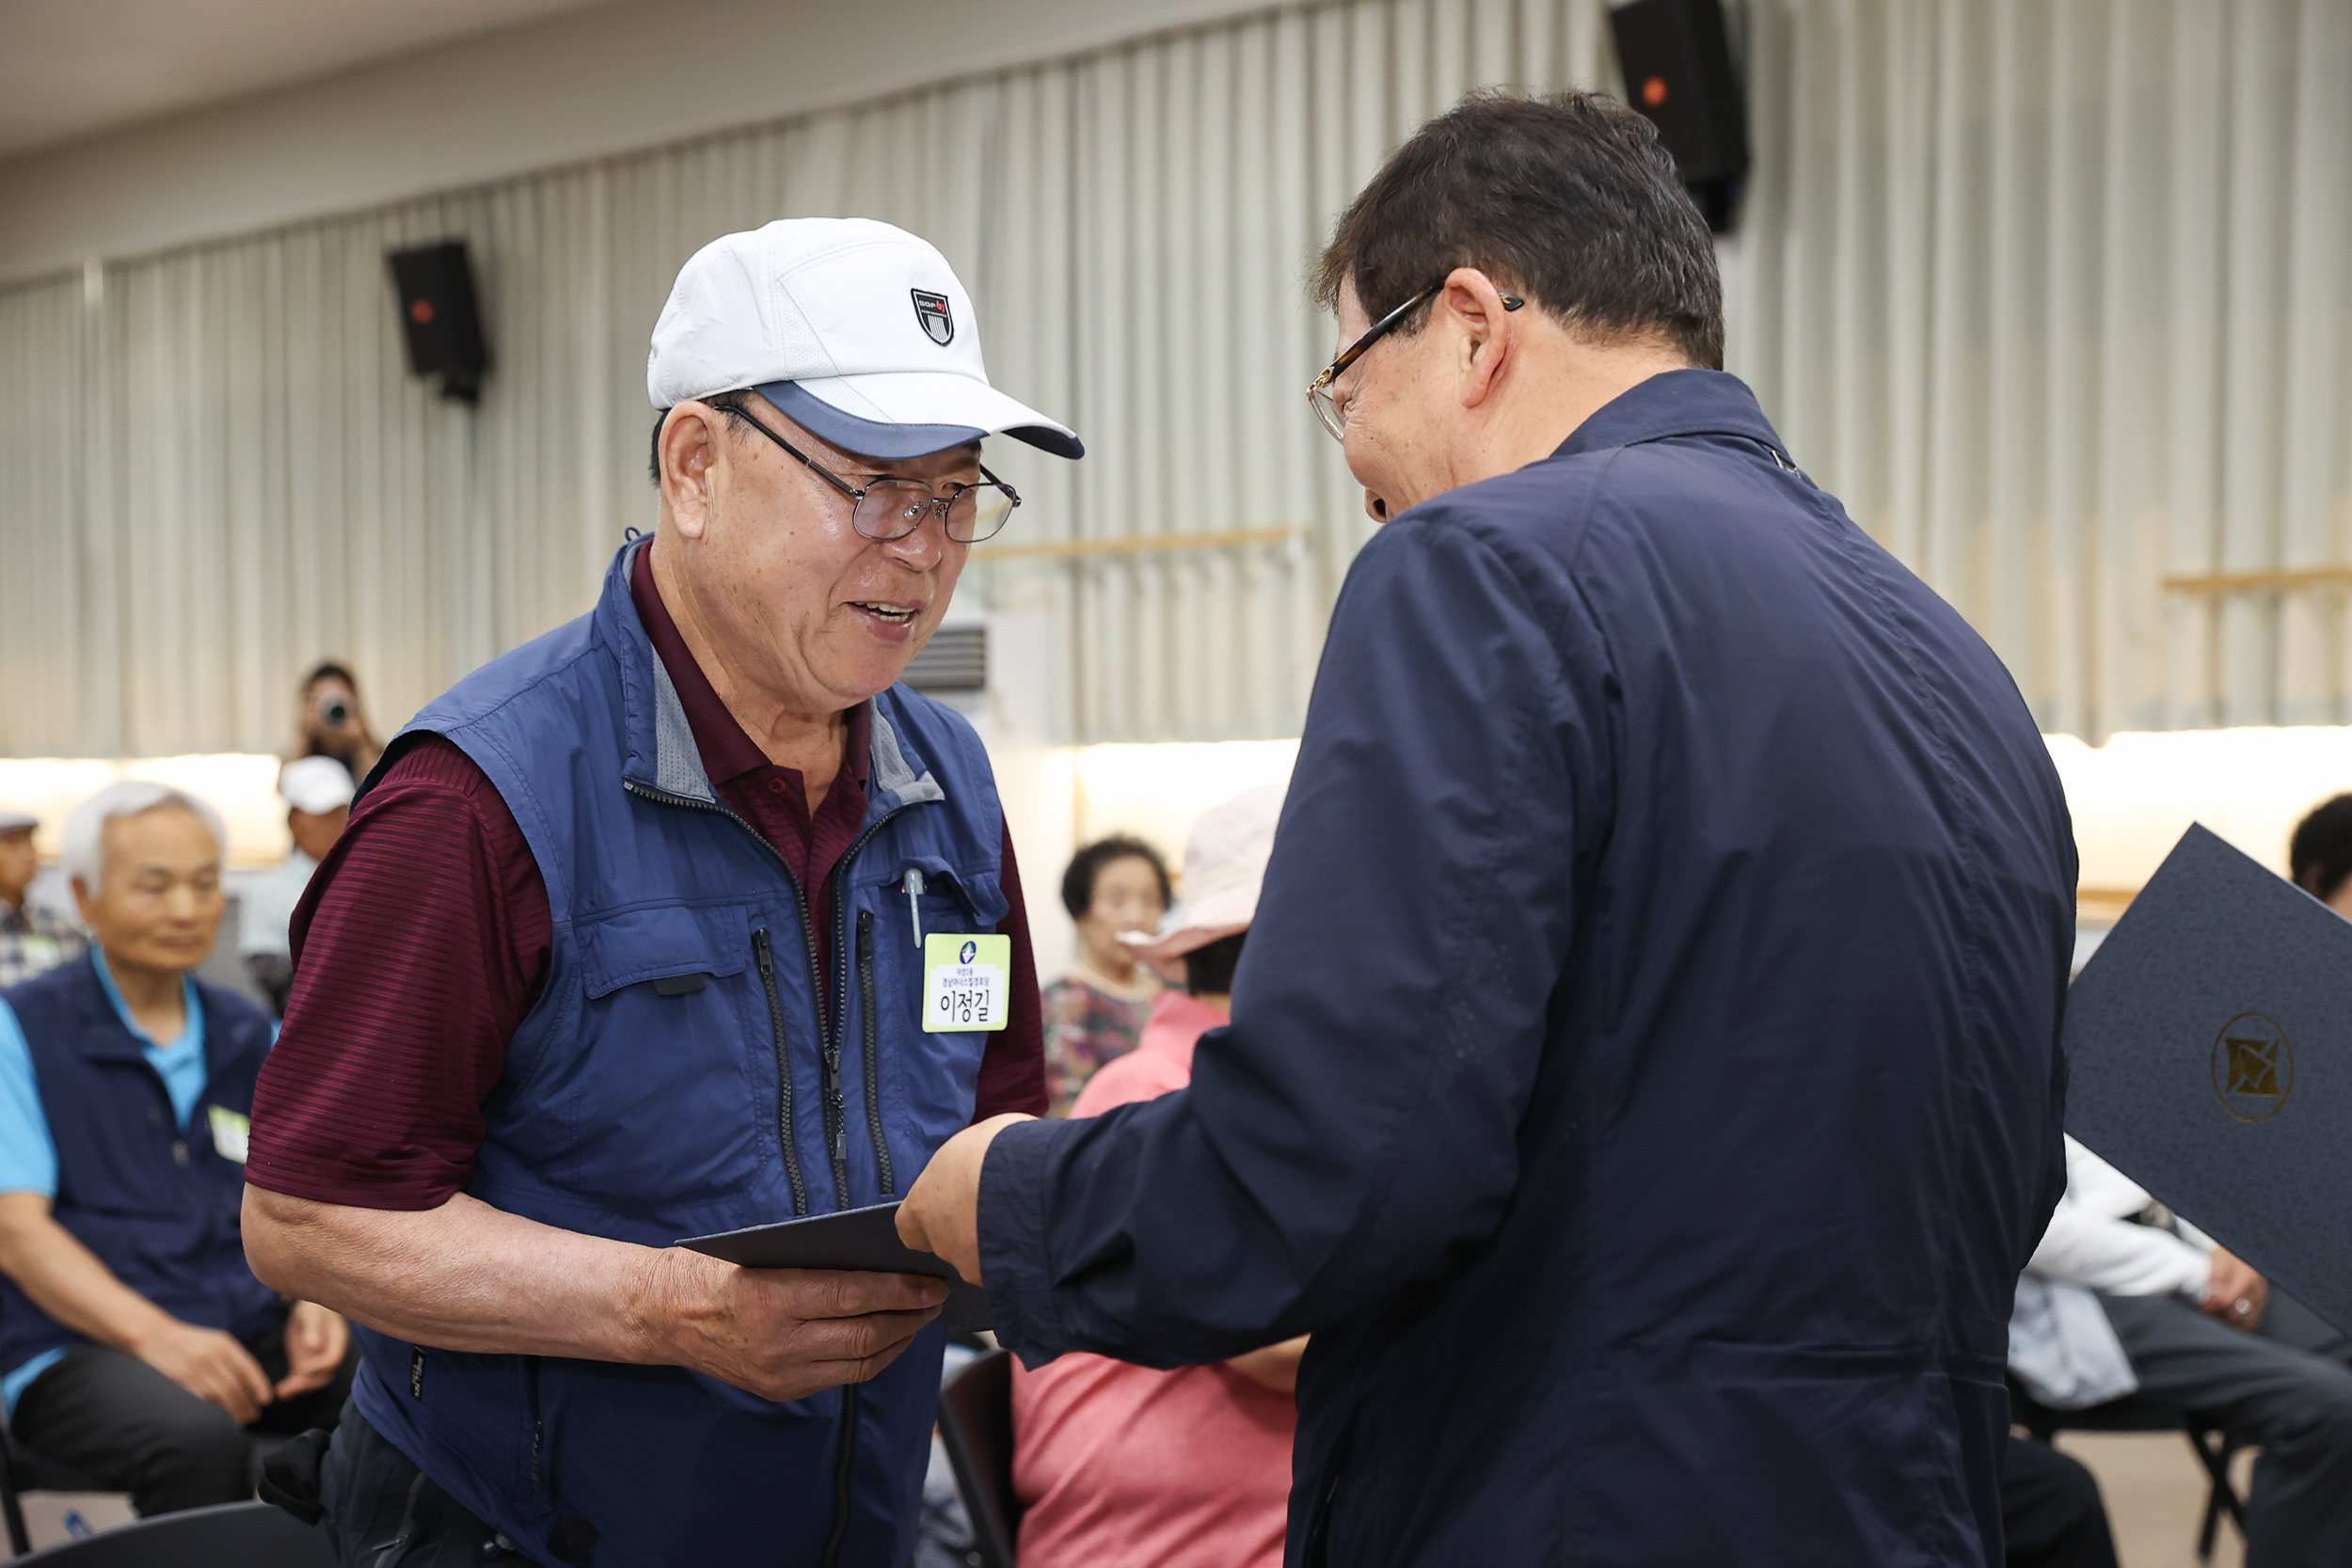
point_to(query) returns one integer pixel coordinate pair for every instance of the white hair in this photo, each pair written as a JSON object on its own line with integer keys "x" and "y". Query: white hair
{"x": 83, "y": 856}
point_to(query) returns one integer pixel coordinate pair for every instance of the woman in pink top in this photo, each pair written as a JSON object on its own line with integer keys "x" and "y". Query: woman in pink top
{"x": 1124, "y": 1467}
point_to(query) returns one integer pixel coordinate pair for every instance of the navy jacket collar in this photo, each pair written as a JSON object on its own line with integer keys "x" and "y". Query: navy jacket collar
{"x": 1679, "y": 403}
{"x": 662, "y": 755}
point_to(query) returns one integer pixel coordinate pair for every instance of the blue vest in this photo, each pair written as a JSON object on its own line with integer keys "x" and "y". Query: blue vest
{"x": 156, "y": 1203}
{"x": 676, "y": 1077}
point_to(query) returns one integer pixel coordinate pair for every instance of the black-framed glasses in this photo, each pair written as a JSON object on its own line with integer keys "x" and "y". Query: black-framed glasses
{"x": 893, "y": 508}
{"x": 1319, "y": 396}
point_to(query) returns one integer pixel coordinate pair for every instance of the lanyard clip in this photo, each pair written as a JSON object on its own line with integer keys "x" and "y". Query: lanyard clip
{"x": 915, "y": 911}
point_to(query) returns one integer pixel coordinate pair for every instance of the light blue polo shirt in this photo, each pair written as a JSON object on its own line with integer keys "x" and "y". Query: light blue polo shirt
{"x": 28, "y": 1156}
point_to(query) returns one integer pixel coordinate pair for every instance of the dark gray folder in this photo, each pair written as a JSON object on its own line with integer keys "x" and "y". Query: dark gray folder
{"x": 859, "y": 1239}
{"x": 2208, "y": 1042}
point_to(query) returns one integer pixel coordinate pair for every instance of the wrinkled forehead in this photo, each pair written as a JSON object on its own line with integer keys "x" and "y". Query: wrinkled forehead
{"x": 167, "y": 835}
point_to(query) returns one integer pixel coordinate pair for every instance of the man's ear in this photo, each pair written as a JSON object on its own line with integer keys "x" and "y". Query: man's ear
{"x": 694, "y": 452}
{"x": 1485, "y": 332}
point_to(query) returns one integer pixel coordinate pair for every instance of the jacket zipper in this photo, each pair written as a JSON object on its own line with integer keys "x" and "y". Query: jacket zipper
{"x": 837, "y": 1137}
{"x": 865, "y": 951}
{"x": 765, "y": 950}
{"x": 538, "y": 1419}
{"x": 841, "y": 1473}
{"x": 830, "y": 1059}
{"x": 873, "y": 1050}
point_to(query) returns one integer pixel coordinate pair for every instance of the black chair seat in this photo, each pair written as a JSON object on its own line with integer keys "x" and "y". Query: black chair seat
{"x": 976, "y": 1425}
{"x": 236, "y": 1535}
{"x": 29, "y": 1472}
{"x": 2213, "y": 1449}
{"x": 33, "y": 1472}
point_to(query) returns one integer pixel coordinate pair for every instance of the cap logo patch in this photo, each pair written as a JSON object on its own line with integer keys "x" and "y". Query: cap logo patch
{"x": 932, "y": 310}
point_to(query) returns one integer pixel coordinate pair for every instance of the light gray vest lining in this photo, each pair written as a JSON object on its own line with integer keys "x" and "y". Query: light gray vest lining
{"x": 677, "y": 764}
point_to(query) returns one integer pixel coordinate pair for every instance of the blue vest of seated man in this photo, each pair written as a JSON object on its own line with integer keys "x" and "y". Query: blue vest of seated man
{"x": 155, "y": 1199}
{"x": 677, "y": 1076}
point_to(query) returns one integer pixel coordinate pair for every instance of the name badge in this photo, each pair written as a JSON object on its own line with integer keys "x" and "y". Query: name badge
{"x": 231, "y": 1134}
{"x": 967, "y": 982}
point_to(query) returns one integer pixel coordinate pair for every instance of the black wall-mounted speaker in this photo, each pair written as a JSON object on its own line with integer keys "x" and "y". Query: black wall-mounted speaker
{"x": 1679, "y": 71}
{"x": 438, "y": 317}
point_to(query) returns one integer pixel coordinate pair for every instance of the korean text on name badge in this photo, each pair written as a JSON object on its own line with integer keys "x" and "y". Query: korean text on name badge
{"x": 967, "y": 982}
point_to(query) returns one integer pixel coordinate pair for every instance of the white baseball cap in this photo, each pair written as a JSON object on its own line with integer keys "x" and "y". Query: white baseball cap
{"x": 857, "y": 330}
{"x": 315, "y": 784}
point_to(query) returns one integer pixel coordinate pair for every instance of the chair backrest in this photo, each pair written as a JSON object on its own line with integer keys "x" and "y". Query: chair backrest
{"x": 236, "y": 1535}
{"x": 976, "y": 1424}
{"x": 11, "y": 1512}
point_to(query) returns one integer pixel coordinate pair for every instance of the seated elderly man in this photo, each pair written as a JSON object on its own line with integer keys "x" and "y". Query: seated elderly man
{"x": 2122, "y": 1302}
{"x": 135, "y": 1345}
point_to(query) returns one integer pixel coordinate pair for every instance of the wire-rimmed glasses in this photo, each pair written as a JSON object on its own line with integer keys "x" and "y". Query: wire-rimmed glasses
{"x": 1319, "y": 396}
{"x": 893, "y": 508}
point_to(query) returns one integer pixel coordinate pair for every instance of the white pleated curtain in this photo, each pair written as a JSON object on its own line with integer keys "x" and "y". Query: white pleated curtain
{"x": 2058, "y": 295}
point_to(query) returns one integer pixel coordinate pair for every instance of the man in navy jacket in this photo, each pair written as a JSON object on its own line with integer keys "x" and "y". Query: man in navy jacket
{"x": 1644, "y": 1078}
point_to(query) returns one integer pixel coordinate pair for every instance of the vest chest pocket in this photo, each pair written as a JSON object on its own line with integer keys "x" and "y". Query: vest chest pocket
{"x": 679, "y": 951}
{"x": 931, "y": 898}
{"x": 922, "y": 1083}
{"x": 654, "y": 1101}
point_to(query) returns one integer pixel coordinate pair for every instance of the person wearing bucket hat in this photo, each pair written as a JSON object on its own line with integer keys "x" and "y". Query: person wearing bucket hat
{"x": 1224, "y": 866}
{"x": 630, "y": 939}
{"x": 1188, "y": 1468}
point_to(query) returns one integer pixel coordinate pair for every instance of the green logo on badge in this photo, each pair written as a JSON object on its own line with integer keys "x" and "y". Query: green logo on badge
{"x": 2253, "y": 1067}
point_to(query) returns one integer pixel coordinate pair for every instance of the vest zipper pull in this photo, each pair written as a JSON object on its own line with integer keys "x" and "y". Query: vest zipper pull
{"x": 915, "y": 911}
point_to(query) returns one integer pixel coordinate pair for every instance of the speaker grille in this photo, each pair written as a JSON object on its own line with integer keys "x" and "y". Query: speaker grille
{"x": 955, "y": 659}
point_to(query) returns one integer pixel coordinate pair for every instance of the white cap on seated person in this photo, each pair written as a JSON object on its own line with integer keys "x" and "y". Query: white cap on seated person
{"x": 316, "y": 785}
{"x": 1225, "y": 861}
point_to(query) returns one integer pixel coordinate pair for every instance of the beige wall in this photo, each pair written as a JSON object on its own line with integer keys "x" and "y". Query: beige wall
{"x": 573, "y": 88}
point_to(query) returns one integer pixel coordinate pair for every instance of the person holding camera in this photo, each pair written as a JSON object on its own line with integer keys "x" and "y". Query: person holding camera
{"x": 333, "y": 724}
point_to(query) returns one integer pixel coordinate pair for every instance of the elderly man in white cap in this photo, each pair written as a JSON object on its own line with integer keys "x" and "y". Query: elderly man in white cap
{"x": 1188, "y": 1468}
{"x": 632, "y": 936}
{"x": 317, "y": 791}
{"x": 32, "y": 939}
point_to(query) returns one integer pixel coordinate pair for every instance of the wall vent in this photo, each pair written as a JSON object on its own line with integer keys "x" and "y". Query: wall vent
{"x": 955, "y": 659}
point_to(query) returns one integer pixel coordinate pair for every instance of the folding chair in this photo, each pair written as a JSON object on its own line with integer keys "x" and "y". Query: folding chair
{"x": 2213, "y": 1448}
{"x": 22, "y": 1472}
{"x": 976, "y": 1424}
{"x": 235, "y": 1535}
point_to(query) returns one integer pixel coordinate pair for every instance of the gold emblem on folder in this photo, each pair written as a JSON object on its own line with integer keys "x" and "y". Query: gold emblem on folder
{"x": 2253, "y": 1067}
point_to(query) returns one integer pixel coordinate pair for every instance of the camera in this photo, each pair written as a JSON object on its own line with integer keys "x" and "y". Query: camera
{"x": 333, "y": 711}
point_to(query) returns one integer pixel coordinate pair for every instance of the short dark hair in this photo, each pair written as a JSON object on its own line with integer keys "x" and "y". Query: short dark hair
{"x": 1208, "y": 970}
{"x": 2320, "y": 854}
{"x": 1569, "y": 199}
{"x": 1077, "y": 882}
{"x": 729, "y": 404}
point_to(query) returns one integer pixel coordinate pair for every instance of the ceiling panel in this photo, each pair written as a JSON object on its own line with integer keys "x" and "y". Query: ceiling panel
{"x": 74, "y": 67}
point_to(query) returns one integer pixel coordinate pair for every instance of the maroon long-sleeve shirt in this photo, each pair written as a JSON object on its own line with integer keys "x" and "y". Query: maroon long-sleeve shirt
{"x": 426, "y": 935}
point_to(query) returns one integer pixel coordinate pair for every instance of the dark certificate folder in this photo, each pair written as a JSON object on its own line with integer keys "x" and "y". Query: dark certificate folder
{"x": 861, "y": 1239}
{"x": 2208, "y": 1042}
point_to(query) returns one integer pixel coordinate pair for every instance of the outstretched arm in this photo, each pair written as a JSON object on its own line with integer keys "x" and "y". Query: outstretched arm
{"x": 1359, "y": 1116}
{"x": 468, "y": 1277}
